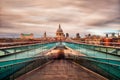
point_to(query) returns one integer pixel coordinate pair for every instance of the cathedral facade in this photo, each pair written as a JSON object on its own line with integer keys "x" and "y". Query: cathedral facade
{"x": 60, "y": 34}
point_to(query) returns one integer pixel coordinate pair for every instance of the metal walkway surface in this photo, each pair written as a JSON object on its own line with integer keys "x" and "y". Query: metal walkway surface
{"x": 61, "y": 70}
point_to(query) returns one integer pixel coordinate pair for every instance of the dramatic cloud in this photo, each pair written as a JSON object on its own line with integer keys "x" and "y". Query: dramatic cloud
{"x": 38, "y": 16}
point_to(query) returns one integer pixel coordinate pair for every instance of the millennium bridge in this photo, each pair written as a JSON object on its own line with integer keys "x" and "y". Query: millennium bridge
{"x": 59, "y": 61}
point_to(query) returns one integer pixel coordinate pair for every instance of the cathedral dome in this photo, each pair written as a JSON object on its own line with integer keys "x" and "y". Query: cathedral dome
{"x": 59, "y": 29}
{"x": 59, "y": 33}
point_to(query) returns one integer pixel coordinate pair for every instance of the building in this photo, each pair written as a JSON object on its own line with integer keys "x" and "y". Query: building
{"x": 112, "y": 40}
{"x": 67, "y": 35}
{"x": 45, "y": 35}
{"x": 27, "y": 36}
{"x": 77, "y": 35}
{"x": 59, "y": 33}
{"x": 93, "y": 39}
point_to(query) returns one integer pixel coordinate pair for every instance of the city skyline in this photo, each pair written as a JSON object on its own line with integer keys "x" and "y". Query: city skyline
{"x": 78, "y": 16}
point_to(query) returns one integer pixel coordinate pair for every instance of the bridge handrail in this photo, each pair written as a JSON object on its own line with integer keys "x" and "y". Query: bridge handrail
{"x": 24, "y": 45}
{"x": 83, "y": 57}
{"x": 34, "y": 58}
{"x": 103, "y": 58}
{"x": 115, "y": 47}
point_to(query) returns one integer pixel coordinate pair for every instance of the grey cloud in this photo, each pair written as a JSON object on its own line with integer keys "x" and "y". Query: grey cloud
{"x": 29, "y": 14}
{"x": 102, "y": 22}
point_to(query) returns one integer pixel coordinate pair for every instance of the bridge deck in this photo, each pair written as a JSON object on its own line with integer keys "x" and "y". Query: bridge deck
{"x": 61, "y": 70}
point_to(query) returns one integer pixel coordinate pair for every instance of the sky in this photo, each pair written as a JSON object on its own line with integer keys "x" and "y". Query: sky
{"x": 75, "y": 16}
